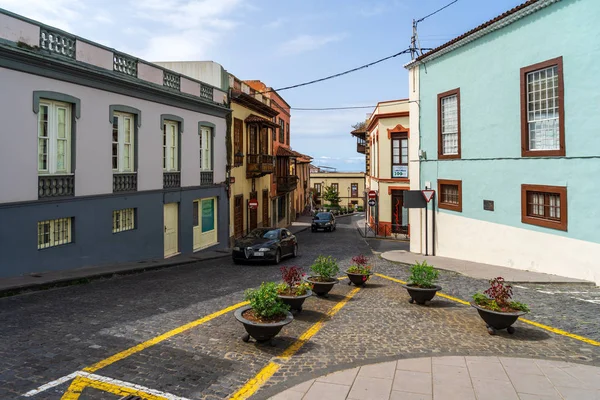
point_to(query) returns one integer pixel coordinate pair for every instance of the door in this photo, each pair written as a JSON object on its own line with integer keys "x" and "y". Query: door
{"x": 274, "y": 213}
{"x": 205, "y": 226}
{"x": 171, "y": 213}
{"x": 265, "y": 205}
{"x": 399, "y": 213}
{"x": 238, "y": 216}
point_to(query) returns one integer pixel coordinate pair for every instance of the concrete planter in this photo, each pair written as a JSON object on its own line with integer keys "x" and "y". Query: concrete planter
{"x": 495, "y": 320}
{"x": 358, "y": 279}
{"x": 295, "y": 302}
{"x": 261, "y": 332}
{"x": 421, "y": 295}
{"x": 322, "y": 288}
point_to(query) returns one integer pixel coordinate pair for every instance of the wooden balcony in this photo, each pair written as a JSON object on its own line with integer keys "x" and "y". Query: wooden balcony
{"x": 360, "y": 148}
{"x": 286, "y": 184}
{"x": 258, "y": 165}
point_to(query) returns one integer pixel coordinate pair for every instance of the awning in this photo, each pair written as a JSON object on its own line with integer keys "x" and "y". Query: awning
{"x": 284, "y": 152}
{"x": 255, "y": 119}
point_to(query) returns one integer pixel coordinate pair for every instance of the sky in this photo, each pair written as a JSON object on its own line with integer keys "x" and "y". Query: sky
{"x": 281, "y": 43}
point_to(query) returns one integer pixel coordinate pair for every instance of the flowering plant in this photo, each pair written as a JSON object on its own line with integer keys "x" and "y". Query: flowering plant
{"x": 293, "y": 284}
{"x": 360, "y": 265}
{"x": 264, "y": 301}
{"x": 498, "y": 297}
{"x": 325, "y": 267}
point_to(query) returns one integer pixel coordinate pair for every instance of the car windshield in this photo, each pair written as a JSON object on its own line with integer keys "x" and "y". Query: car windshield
{"x": 264, "y": 234}
{"x": 323, "y": 216}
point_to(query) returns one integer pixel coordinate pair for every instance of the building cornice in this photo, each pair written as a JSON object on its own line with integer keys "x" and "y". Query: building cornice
{"x": 377, "y": 117}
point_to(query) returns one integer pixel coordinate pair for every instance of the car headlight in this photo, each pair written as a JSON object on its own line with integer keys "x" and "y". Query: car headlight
{"x": 264, "y": 249}
{"x": 328, "y": 223}
{"x": 236, "y": 248}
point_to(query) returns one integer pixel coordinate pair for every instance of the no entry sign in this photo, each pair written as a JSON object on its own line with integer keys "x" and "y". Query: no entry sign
{"x": 372, "y": 194}
{"x": 253, "y": 204}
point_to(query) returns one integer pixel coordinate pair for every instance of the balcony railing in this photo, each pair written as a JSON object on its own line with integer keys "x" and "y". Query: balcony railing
{"x": 287, "y": 184}
{"x": 206, "y": 92}
{"x": 124, "y": 182}
{"x": 360, "y": 148}
{"x": 171, "y": 180}
{"x": 206, "y": 178}
{"x": 56, "y": 186}
{"x": 259, "y": 165}
{"x": 267, "y": 163}
{"x": 238, "y": 160}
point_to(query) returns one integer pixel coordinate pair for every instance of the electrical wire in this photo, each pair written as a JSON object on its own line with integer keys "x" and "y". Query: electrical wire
{"x": 435, "y": 12}
{"x": 353, "y": 107}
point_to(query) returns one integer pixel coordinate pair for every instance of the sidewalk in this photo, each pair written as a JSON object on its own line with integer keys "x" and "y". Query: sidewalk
{"x": 455, "y": 377}
{"x": 479, "y": 270}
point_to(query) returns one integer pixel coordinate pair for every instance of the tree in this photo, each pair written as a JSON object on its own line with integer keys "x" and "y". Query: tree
{"x": 359, "y": 126}
{"x": 331, "y": 196}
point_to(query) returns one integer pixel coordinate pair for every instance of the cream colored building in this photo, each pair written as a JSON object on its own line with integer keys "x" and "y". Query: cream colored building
{"x": 350, "y": 187}
{"x": 385, "y": 142}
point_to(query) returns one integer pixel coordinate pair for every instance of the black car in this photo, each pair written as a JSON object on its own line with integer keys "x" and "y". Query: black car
{"x": 323, "y": 220}
{"x": 265, "y": 244}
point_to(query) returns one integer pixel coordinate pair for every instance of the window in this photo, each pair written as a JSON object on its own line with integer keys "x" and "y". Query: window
{"x": 170, "y": 146}
{"x": 54, "y": 137}
{"x": 122, "y": 142}
{"x": 264, "y": 141}
{"x": 354, "y": 189}
{"x": 123, "y": 220}
{"x": 449, "y": 124}
{"x": 287, "y": 131}
{"x": 542, "y": 109}
{"x": 318, "y": 189}
{"x": 399, "y": 156}
{"x": 544, "y": 206}
{"x": 253, "y": 139}
{"x": 281, "y": 131}
{"x": 335, "y": 187}
{"x": 205, "y": 149}
{"x": 54, "y": 232}
{"x": 450, "y": 195}
{"x": 238, "y": 148}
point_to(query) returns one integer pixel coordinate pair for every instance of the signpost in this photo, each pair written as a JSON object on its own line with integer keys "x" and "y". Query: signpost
{"x": 372, "y": 202}
{"x": 372, "y": 194}
{"x": 253, "y": 204}
{"x": 428, "y": 194}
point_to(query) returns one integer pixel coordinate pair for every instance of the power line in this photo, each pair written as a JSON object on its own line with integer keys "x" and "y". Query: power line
{"x": 435, "y": 12}
{"x": 338, "y": 75}
{"x": 353, "y": 107}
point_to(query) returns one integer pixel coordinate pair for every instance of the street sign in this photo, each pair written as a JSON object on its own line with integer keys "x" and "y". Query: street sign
{"x": 253, "y": 204}
{"x": 372, "y": 194}
{"x": 372, "y": 202}
{"x": 428, "y": 194}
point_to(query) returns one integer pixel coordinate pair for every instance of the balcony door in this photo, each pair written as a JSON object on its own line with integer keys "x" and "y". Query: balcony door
{"x": 253, "y": 139}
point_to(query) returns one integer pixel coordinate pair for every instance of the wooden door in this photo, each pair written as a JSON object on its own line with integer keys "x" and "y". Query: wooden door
{"x": 265, "y": 205}
{"x": 238, "y": 216}
{"x": 253, "y": 213}
{"x": 171, "y": 229}
{"x": 197, "y": 227}
{"x": 399, "y": 217}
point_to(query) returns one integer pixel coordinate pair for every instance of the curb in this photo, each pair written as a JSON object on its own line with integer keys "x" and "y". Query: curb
{"x": 83, "y": 279}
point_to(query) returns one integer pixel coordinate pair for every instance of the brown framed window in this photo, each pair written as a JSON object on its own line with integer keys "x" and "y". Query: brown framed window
{"x": 318, "y": 189}
{"x": 542, "y": 109}
{"x": 253, "y": 139}
{"x": 544, "y": 206}
{"x": 281, "y": 131}
{"x": 449, "y": 124}
{"x": 399, "y": 155}
{"x": 238, "y": 128}
{"x": 354, "y": 189}
{"x": 287, "y": 131}
{"x": 335, "y": 187}
{"x": 264, "y": 141}
{"x": 450, "y": 194}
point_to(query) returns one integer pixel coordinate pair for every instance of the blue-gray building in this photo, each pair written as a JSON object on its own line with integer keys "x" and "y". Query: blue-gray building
{"x": 506, "y": 132}
{"x": 105, "y": 158}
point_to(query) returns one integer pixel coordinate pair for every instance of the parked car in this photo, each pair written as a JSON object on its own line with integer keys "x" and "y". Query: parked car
{"x": 265, "y": 244}
{"x": 323, "y": 220}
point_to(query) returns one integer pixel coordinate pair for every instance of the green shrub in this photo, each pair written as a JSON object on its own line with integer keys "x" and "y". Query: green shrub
{"x": 325, "y": 267}
{"x": 498, "y": 297}
{"x": 264, "y": 301}
{"x": 423, "y": 275}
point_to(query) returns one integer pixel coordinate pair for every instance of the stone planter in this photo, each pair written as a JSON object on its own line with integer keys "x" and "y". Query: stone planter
{"x": 358, "y": 279}
{"x": 322, "y": 288}
{"x": 496, "y": 320}
{"x": 421, "y": 295}
{"x": 295, "y": 302}
{"x": 261, "y": 332}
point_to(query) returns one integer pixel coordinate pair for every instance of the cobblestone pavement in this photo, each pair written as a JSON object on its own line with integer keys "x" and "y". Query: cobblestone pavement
{"x": 47, "y": 335}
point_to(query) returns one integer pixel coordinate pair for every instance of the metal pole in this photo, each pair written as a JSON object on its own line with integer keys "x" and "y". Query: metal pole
{"x": 433, "y": 226}
{"x": 247, "y": 218}
{"x": 426, "y": 224}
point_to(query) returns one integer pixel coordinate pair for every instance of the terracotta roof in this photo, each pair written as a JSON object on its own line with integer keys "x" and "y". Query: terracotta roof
{"x": 477, "y": 29}
{"x": 253, "y": 118}
{"x": 252, "y": 103}
{"x": 302, "y": 158}
{"x": 284, "y": 152}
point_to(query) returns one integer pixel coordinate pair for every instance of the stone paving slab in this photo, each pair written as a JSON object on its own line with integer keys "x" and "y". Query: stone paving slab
{"x": 479, "y": 270}
{"x": 455, "y": 377}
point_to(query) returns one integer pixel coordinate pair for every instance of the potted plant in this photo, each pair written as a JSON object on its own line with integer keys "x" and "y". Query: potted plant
{"x": 421, "y": 283}
{"x": 325, "y": 269}
{"x": 266, "y": 314}
{"x": 293, "y": 291}
{"x": 496, "y": 308}
{"x": 359, "y": 272}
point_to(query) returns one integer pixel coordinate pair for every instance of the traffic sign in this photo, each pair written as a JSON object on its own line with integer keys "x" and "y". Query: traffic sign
{"x": 372, "y": 194}
{"x": 428, "y": 194}
{"x": 372, "y": 202}
{"x": 253, "y": 204}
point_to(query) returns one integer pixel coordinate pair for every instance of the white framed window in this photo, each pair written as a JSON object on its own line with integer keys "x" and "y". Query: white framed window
{"x": 54, "y": 137}
{"x": 170, "y": 146}
{"x": 54, "y": 232}
{"x": 205, "y": 149}
{"x": 449, "y": 117}
{"x": 543, "y": 109}
{"x": 123, "y": 220}
{"x": 123, "y": 137}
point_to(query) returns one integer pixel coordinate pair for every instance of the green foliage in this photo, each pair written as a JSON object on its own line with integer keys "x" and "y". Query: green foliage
{"x": 423, "y": 275}
{"x": 483, "y": 301}
{"x": 516, "y": 305}
{"x": 326, "y": 267}
{"x": 297, "y": 290}
{"x": 264, "y": 301}
{"x": 331, "y": 196}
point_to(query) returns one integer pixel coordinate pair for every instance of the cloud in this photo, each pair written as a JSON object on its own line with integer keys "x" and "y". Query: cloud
{"x": 276, "y": 23}
{"x": 56, "y": 13}
{"x": 304, "y": 43}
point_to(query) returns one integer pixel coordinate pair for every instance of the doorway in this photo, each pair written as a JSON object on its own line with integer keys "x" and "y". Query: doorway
{"x": 171, "y": 214}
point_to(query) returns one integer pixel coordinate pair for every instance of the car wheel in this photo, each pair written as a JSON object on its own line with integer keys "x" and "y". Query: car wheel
{"x": 295, "y": 253}
{"x": 277, "y": 256}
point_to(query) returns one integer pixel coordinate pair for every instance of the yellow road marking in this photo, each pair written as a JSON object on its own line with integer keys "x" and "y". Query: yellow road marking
{"x": 81, "y": 383}
{"x": 267, "y": 372}
{"x": 527, "y": 321}
{"x": 136, "y": 349}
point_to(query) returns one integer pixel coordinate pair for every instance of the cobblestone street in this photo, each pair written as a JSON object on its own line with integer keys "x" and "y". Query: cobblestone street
{"x": 56, "y": 333}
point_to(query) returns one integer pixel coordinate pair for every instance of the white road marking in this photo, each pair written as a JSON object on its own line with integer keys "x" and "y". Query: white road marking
{"x": 105, "y": 379}
{"x": 520, "y": 287}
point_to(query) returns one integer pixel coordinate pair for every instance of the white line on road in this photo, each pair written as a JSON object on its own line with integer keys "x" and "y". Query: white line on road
{"x": 49, "y": 385}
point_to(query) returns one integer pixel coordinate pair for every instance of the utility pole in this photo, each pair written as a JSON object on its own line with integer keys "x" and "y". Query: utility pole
{"x": 413, "y": 41}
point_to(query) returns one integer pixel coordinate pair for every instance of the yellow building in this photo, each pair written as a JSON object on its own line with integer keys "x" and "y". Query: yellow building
{"x": 384, "y": 141}
{"x": 302, "y": 198}
{"x": 349, "y": 185}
